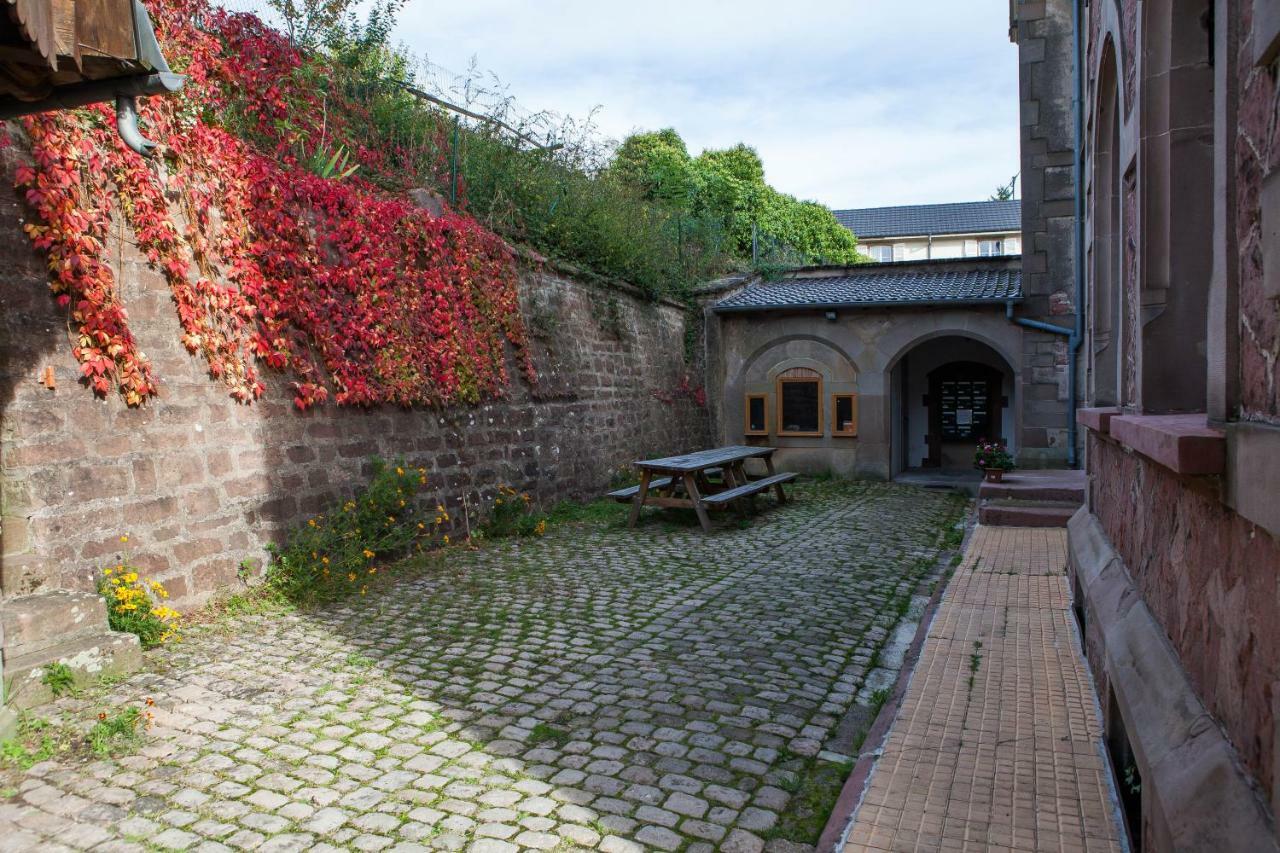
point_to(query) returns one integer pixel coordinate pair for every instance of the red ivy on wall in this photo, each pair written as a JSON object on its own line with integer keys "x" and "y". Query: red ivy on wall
{"x": 355, "y": 291}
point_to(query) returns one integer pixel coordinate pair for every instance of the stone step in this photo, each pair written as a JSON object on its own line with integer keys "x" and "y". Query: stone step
{"x": 1002, "y": 512}
{"x": 34, "y": 622}
{"x": 89, "y": 657}
{"x": 1065, "y": 486}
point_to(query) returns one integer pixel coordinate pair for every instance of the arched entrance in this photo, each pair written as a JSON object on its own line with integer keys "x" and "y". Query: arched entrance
{"x": 949, "y": 393}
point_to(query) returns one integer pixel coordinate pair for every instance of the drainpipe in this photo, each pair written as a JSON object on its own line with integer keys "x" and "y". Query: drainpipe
{"x": 1073, "y": 355}
{"x": 1073, "y": 343}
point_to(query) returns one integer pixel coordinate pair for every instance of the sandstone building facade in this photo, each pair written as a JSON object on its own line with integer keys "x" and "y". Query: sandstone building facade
{"x": 1175, "y": 560}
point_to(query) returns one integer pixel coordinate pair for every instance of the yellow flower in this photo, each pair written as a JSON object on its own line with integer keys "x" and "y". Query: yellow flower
{"x": 422, "y": 470}
{"x": 351, "y": 576}
{"x": 421, "y": 526}
{"x": 107, "y": 572}
{"x": 311, "y": 522}
{"x": 497, "y": 501}
{"x": 363, "y": 590}
{"x": 446, "y": 539}
{"x": 368, "y": 555}
{"x": 402, "y": 503}
{"x": 324, "y": 560}
{"x": 124, "y": 538}
{"x": 400, "y": 471}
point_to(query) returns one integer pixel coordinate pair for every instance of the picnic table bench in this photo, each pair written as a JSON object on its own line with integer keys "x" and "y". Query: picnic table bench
{"x": 662, "y": 479}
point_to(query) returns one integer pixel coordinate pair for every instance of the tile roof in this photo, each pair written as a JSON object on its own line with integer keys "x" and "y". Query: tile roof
{"x": 936, "y": 283}
{"x": 970, "y": 217}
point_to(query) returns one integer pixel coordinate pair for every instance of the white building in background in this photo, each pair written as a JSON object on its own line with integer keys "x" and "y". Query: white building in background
{"x": 922, "y": 232}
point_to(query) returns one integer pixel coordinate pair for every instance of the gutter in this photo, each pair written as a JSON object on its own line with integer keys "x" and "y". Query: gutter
{"x": 156, "y": 79}
{"x": 1073, "y": 344}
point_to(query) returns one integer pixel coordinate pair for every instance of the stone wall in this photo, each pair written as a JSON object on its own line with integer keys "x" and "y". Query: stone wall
{"x": 1043, "y": 32}
{"x": 1257, "y": 207}
{"x": 1207, "y": 574}
{"x": 200, "y": 483}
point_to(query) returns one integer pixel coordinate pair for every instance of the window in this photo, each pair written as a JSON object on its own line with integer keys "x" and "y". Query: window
{"x": 844, "y": 409}
{"x": 800, "y": 402}
{"x": 881, "y": 254}
{"x": 757, "y": 415}
{"x": 987, "y": 248}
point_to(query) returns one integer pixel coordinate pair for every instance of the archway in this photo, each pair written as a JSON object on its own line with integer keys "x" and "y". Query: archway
{"x": 947, "y": 394}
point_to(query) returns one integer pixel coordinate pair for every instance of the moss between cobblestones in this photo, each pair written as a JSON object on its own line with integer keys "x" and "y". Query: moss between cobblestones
{"x": 598, "y": 682}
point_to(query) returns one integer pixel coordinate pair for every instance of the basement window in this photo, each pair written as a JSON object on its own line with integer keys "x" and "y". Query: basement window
{"x": 800, "y": 402}
{"x": 757, "y": 415}
{"x": 844, "y": 411}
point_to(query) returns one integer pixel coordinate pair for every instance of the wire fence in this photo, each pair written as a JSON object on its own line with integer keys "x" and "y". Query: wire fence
{"x": 475, "y": 94}
{"x": 537, "y": 176}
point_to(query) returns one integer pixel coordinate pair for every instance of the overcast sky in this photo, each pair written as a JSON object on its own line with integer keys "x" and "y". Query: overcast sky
{"x": 854, "y": 104}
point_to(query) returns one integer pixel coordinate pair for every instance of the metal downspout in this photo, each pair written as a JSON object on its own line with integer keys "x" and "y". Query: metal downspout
{"x": 1077, "y": 337}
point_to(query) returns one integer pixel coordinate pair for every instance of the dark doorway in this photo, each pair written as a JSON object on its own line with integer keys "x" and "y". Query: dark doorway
{"x": 965, "y": 406}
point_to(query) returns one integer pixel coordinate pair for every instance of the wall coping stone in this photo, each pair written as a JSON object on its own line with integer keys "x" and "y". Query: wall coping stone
{"x": 1097, "y": 418}
{"x": 1185, "y": 444}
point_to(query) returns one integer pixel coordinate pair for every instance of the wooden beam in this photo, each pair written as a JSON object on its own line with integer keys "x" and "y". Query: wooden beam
{"x": 105, "y": 28}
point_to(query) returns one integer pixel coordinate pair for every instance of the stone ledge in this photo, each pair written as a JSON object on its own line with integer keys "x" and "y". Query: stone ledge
{"x": 1097, "y": 419}
{"x": 1185, "y": 444}
{"x": 1202, "y": 797}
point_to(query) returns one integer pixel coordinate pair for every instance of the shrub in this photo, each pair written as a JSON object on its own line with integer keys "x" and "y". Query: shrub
{"x": 134, "y": 605}
{"x": 512, "y": 514}
{"x": 339, "y": 553}
{"x": 119, "y": 731}
{"x": 991, "y": 455}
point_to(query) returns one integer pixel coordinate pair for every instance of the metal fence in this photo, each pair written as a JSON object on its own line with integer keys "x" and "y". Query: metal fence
{"x": 535, "y": 175}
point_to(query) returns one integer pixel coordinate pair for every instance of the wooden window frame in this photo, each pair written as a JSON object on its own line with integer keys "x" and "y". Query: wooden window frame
{"x": 784, "y": 380}
{"x": 835, "y": 424}
{"x": 746, "y": 414}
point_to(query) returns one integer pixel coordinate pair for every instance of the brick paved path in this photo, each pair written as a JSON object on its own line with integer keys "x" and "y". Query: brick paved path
{"x": 997, "y": 744}
{"x": 604, "y": 689}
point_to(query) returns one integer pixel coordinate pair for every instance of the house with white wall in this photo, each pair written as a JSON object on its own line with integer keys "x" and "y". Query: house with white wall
{"x": 922, "y": 232}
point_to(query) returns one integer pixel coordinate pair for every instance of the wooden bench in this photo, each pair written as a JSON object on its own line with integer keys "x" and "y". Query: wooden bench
{"x": 630, "y": 492}
{"x": 752, "y": 488}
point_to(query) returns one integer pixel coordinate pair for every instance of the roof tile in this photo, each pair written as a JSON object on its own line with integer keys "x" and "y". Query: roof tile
{"x": 880, "y": 284}
{"x": 970, "y": 217}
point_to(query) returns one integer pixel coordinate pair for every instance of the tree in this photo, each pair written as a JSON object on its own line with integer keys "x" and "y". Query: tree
{"x": 725, "y": 188}
{"x": 1004, "y": 192}
{"x": 656, "y": 163}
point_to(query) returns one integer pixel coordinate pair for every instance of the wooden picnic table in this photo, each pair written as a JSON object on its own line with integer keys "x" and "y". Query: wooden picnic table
{"x": 666, "y": 476}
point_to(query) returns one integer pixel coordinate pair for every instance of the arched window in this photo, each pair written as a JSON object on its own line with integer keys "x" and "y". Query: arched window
{"x": 800, "y": 402}
{"x": 1107, "y": 255}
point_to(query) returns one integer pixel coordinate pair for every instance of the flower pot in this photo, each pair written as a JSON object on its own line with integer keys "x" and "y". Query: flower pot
{"x": 995, "y": 475}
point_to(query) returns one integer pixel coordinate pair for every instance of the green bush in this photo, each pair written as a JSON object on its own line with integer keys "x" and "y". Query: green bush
{"x": 338, "y": 553}
{"x": 513, "y": 514}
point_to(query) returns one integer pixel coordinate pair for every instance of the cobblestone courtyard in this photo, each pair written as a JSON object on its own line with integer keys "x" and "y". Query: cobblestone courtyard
{"x": 655, "y": 689}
